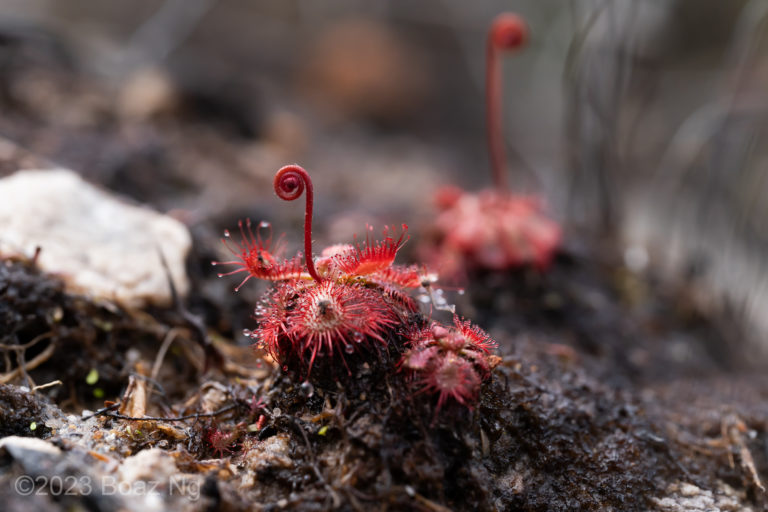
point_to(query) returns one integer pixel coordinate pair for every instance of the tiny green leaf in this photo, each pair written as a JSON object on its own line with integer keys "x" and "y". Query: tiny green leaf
{"x": 92, "y": 377}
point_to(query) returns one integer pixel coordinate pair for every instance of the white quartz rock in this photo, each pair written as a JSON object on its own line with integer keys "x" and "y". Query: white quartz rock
{"x": 102, "y": 246}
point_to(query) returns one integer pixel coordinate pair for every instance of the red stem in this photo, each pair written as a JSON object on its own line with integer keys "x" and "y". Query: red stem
{"x": 290, "y": 182}
{"x": 508, "y": 31}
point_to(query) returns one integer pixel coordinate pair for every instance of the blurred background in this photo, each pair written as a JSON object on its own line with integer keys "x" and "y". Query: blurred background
{"x": 639, "y": 122}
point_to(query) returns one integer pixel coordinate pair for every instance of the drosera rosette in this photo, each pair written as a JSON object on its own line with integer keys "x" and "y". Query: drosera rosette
{"x": 353, "y": 300}
{"x": 299, "y": 322}
{"x": 493, "y": 229}
{"x": 450, "y": 362}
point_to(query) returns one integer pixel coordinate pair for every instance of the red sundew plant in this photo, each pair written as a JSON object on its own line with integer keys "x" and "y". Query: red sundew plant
{"x": 326, "y": 318}
{"x": 450, "y": 362}
{"x": 221, "y": 442}
{"x": 494, "y": 229}
{"x": 352, "y": 300}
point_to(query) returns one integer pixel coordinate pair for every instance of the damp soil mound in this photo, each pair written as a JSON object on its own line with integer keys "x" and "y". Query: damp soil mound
{"x": 556, "y": 427}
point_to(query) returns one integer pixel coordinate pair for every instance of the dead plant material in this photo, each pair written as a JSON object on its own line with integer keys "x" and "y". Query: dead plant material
{"x": 91, "y": 348}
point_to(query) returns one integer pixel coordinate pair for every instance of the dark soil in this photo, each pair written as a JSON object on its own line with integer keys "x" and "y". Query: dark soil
{"x": 557, "y": 428}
